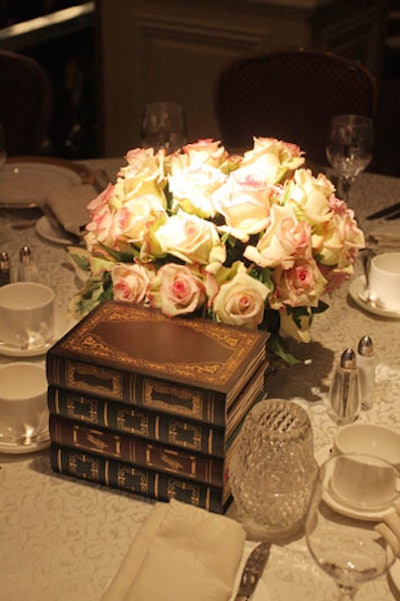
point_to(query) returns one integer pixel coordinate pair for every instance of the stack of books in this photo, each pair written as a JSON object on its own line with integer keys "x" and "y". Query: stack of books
{"x": 152, "y": 405}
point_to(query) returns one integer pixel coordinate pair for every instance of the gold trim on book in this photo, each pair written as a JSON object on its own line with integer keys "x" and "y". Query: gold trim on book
{"x": 91, "y": 378}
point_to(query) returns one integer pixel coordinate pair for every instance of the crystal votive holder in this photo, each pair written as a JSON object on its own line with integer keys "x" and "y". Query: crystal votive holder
{"x": 272, "y": 470}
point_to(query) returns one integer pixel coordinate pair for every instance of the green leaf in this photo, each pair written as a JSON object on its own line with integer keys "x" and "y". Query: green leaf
{"x": 278, "y": 346}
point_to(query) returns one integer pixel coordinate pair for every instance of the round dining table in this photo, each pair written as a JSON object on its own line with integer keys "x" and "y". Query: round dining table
{"x": 63, "y": 540}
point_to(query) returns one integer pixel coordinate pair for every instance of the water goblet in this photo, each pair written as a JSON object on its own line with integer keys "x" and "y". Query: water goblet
{"x": 341, "y": 531}
{"x": 163, "y": 126}
{"x": 349, "y": 148}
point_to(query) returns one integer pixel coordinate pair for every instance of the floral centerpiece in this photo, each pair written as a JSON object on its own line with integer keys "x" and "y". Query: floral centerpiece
{"x": 253, "y": 240}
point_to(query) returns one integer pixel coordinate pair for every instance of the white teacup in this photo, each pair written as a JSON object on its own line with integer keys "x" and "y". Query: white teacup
{"x": 23, "y": 402}
{"x": 384, "y": 280}
{"x": 27, "y": 314}
{"x": 369, "y": 439}
{"x": 364, "y": 482}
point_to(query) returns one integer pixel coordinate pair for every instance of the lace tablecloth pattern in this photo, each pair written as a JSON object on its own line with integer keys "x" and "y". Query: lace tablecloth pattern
{"x": 62, "y": 540}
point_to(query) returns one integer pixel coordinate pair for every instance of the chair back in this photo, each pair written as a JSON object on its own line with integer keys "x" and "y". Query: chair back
{"x": 25, "y": 104}
{"x": 292, "y": 95}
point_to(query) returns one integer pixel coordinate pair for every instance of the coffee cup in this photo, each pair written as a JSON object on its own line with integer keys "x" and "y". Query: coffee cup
{"x": 364, "y": 482}
{"x": 27, "y": 314}
{"x": 384, "y": 280}
{"x": 368, "y": 439}
{"x": 23, "y": 402}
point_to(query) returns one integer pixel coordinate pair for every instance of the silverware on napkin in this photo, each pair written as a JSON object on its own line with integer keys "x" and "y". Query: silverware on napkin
{"x": 252, "y": 571}
{"x": 390, "y": 210}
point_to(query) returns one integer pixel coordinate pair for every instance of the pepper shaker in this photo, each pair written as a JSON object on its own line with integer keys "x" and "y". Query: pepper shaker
{"x": 5, "y": 269}
{"x": 366, "y": 362}
{"x": 27, "y": 268}
{"x": 344, "y": 393}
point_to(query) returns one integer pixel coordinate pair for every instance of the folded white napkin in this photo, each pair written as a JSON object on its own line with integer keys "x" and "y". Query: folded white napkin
{"x": 387, "y": 235}
{"x": 69, "y": 206}
{"x": 181, "y": 552}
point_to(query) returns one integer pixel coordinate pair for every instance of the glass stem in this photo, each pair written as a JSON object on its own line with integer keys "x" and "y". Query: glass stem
{"x": 347, "y": 593}
{"x": 344, "y": 185}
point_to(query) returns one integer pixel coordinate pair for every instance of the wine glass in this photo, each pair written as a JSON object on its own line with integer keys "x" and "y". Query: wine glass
{"x": 349, "y": 148}
{"x": 163, "y": 126}
{"x": 342, "y": 535}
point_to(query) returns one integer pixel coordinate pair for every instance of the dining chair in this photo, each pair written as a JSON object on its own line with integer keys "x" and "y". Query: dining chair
{"x": 290, "y": 94}
{"x": 25, "y": 104}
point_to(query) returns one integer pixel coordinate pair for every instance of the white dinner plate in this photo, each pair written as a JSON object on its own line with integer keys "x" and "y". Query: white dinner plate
{"x": 46, "y": 230}
{"x": 42, "y": 442}
{"x": 25, "y": 184}
{"x": 347, "y": 510}
{"x": 357, "y": 290}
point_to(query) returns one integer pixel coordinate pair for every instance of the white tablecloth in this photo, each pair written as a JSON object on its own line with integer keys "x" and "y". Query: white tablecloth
{"x": 62, "y": 540}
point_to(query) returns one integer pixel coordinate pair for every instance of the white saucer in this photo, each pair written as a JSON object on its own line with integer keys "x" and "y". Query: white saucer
{"x": 13, "y": 448}
{"x": 394, "y": 572}
{"x": 348, "y": 510}
{"x": 46, "y": 230}
{"x": 357, "y": 290}
{"x": 11, "y": 351}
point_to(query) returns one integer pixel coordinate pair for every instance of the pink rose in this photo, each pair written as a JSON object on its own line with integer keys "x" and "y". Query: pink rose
{"x": 176, "y": 290}
{"x": 241, "y": 301}
{"x": 301, "y": 285}
{"x": 130, "y": 282}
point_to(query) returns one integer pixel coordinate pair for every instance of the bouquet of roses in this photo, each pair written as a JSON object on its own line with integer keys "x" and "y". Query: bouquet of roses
{"x": 253, "y": 240}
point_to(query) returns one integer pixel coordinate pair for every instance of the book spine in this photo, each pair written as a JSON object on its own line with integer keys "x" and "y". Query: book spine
{"x": 122, "y": 417}
{"x": 137, "y": 451}
{"x": 165, "y": 396}
{"x": 123, "y": 476}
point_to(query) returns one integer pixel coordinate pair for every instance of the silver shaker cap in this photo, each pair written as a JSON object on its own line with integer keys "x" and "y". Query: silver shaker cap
{"x": 348, "y": 359}
{"x": 366, "y": 346}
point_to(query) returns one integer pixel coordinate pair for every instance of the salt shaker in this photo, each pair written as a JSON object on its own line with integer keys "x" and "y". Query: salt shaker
{"x": 27, "y": 268}
{"x": 366, "y": 362}
{"x": 344, "y": 393}
{"x": 5, "y": 269}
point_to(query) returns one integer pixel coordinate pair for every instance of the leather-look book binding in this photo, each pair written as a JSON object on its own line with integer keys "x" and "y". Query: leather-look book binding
{"x": 168, "y": 428}
{"x": 137, "y": 355}
{"x": 122, "y": 417}
{"x": 137, "y": 451}
{"x": 142, "y": 481}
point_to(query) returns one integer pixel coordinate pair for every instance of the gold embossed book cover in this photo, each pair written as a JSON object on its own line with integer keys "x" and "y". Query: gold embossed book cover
{"x": 124, "y": 351}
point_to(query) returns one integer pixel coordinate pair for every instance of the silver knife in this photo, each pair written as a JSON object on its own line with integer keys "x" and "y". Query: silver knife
{"x": 252, "y": 571}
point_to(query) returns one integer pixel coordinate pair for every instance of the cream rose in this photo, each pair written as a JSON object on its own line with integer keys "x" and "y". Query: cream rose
{"x": 193, "y": 188}
{"x": 130, "y": 282}
{"x": 133, "y": 219}
{"x": 176, "y": 290}
{"x": 273, "y": 158}
{"x": 310, "y": 196}
{"x": 338, "y": 240}
{"x": 245, "y": 202}
{"x": 241, "y": 301}
{"x": 191, "y": 239}
{"x": 284, "y": 240}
